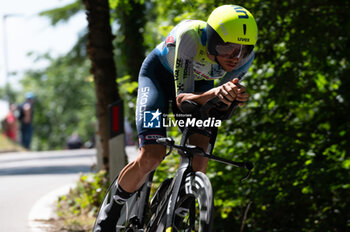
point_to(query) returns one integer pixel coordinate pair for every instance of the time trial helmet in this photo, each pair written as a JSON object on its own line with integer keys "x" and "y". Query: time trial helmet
{"x": 231, "y": 27}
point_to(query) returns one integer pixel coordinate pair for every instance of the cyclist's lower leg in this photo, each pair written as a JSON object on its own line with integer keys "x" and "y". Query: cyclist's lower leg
{"x": 134, "y": 175}
{"x": 130, "y": 179}
{"x": 112, "y": 210}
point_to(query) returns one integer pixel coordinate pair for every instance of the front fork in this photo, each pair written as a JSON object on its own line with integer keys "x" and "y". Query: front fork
{"x": 179, "y": 177}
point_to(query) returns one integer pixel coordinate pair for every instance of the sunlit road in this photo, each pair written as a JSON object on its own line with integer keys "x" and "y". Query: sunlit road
{"x": 27, "y": 177}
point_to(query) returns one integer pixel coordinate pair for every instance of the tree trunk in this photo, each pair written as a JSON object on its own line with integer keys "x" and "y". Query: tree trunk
{"x": 100, "y": 52}
{"x": 132, "y": 23}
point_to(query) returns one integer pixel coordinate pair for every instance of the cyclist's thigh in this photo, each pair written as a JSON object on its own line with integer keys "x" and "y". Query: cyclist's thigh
{"x": 154, "y": 92}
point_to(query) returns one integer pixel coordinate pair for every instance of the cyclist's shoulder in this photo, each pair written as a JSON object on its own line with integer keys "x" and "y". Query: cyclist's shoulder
{"x": 191, "y": 24}
{"x": 188, "y": 31}
{"x": 193, "y": 27}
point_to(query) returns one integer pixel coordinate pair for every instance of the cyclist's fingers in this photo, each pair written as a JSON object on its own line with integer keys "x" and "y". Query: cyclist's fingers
{"x": 228, "y": 95}
{"x": 231, "y": 89}
{"x": 241, "y": 88}
{"x": 235, "y": 87}
{"x": 235, "y": 81}
{"x": 223, "y": 91}
{"x": 243, "y": 97}
{"x": 224, "y": 99}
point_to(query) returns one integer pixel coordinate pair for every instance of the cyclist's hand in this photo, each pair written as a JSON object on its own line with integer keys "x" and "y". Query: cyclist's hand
{"x": 242, "y": 95}
{"x": 231, "y": 91}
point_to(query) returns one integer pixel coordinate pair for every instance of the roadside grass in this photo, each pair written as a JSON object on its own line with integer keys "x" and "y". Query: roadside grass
{"x": 7, "y": 145}
{"x": 77, "y": 210}
{"x": 81, "y": 223}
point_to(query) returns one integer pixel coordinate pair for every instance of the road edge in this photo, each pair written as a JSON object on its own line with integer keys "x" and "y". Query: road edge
{"x": 44, "y": 209}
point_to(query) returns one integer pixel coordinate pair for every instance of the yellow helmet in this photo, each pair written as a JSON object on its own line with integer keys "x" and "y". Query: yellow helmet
{"x": 231, "y": 24}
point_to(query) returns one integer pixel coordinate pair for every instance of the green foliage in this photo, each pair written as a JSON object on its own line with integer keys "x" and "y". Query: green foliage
{"x": 126, "y": 5}
{"x": 164, "y": 15}
{"x": 65, "y": 99}
{"x": 129, "y": 16}
{"x": 83, "y": 200}
{"x": 295, "y": 125}
{"x": 9, "y": 93}
{"x": 63, "y": 14}
{"x": 64, "y": 103}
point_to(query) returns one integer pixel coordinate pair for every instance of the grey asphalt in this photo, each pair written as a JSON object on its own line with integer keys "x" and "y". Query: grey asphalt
{"x": 30, "y": 183}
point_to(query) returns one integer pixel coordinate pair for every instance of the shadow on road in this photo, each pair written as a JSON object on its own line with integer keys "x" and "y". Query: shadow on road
{"x": 59, "y": 169}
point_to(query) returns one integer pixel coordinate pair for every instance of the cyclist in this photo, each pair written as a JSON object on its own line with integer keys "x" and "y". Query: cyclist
{"x": 184, "y": 67}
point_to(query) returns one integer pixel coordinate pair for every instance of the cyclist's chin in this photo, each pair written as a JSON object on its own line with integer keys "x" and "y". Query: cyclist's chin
{"x": 229, "y": 67}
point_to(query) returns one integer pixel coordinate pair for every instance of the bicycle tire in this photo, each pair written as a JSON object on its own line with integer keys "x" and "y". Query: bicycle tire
{"x": 196, "y": 194}
{"x": 127, "y": 212}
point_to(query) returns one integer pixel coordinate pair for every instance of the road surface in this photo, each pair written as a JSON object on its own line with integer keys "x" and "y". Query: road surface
{"x": 29, "y": 180}
{"x": 25, "y": 178}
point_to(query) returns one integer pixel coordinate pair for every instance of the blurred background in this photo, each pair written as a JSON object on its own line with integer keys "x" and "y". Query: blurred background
{"x": 29, "y": 42}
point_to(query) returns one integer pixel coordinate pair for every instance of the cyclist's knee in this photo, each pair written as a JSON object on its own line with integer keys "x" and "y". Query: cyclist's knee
{"x": 150, "y": 157}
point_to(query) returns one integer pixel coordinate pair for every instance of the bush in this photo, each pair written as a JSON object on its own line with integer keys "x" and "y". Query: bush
{"x": 78, "y": 209}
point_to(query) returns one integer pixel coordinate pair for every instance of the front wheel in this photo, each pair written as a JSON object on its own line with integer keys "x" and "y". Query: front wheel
{"x": 194, "y": 208}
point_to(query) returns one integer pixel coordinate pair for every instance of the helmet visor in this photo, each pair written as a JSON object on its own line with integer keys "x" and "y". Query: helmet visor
{"x": 232, "y": 50}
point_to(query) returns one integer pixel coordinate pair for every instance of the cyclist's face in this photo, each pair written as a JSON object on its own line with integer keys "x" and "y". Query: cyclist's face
{"x": 228, "y": 63}
{"x": 229, "y": 54}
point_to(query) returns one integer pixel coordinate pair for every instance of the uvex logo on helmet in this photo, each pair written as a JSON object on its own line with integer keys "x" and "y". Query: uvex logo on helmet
{"x": 242, "y": 39}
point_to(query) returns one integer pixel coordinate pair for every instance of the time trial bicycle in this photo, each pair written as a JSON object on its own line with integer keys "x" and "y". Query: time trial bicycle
{"x": 184, "y": 202}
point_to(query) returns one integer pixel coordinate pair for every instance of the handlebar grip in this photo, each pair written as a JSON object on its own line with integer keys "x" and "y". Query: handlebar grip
{"x": 211, "y": 109}
{"x": 215, "y": 102}
{"x": 188, "y": 106}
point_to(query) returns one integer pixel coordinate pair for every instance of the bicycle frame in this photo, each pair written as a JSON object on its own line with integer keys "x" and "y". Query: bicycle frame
{"x": 185, "y": 167}
{"x": 171, "y": 194}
